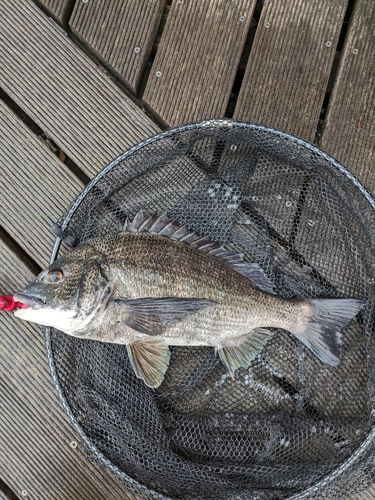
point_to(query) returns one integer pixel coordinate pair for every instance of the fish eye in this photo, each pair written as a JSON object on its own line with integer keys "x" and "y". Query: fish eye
{"x": 55, "y": 276}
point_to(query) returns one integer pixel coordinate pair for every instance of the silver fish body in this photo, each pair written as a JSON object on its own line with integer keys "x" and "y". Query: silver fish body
{"x": 155, "y": 284}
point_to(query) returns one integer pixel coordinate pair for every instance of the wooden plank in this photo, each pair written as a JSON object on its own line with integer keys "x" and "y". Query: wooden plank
{"x": 349, "y": 127}
{"x": 3, "y": 496}
{"x": 63, "y": 91}
{"x": 121, "y": 33}
{"x": 37, "y": 187}
{"x": 58, "y": 9}
{"x": 368, "y": 494}
{"x": 290, "y": 63}
{"x": 35, "y": 447}
{"x": 196, "y": 63}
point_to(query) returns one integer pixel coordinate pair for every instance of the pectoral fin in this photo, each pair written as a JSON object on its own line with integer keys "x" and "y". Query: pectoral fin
{"x": 242, "y": 355}
{"x": 151, "y": 316}
{"x": 150, "y": 359}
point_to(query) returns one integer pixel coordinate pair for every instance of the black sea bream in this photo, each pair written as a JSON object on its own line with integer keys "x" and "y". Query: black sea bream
{"x": 155, "y": 284}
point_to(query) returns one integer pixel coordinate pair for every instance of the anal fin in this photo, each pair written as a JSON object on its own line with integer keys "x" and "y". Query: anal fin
{"x": 150, "y": 359}
{"x": 234, "y": 357}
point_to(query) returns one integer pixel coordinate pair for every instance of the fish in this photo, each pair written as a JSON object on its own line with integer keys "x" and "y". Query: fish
{"x": 155, "y": 284}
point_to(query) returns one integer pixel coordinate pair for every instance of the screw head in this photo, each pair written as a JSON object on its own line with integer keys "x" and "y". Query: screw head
{"x": 74, "y": 444}
{"x": 85, "y": 1}
{"x": 158, "y": 74}
{"x": 24, "y": 493}
{"x": 267, "y": 24}
{"x": 241, "y": 19}
{"x": 355, "y": 51}
{"x": 137, "y": 50}
{"x": 329, "y": 44}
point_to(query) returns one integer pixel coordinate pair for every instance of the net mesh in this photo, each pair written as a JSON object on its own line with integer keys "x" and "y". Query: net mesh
{"x": 286, "y": 427}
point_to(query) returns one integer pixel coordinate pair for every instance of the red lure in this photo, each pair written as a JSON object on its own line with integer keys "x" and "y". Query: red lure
{"x": 7, "y": 303}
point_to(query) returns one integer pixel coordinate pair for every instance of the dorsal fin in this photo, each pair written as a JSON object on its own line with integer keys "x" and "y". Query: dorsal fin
{"x": 137, "y": 221}
{"x": 163, "y": 226}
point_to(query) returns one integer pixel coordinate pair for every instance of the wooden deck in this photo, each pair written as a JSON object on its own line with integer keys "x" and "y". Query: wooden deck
{"x": 82, "y": 81}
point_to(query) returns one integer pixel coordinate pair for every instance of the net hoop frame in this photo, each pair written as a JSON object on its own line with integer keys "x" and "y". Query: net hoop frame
{"x": 219, "y": 124}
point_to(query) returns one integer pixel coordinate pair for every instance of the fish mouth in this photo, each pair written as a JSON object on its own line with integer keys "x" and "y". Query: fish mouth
{"x": 30, "y": 300}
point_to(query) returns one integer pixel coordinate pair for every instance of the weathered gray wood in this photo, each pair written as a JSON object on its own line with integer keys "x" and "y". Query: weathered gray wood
{"x": 64, "y": 92}
{"x": 368, "y": 494}
{"x": 290, "y": 63}
{"x": 3, "y": 496}
{"x": 58, "y": 9}
{"x": 35, "y": 446}
{"x": 349, "y": 128}
{"x": 196, "y": 63}
{"x": 37, "y": 187}
{"x": 121, "y": 33}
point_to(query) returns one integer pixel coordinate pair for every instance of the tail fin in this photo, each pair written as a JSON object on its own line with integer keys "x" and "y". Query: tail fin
{"x": 322, "y": 334}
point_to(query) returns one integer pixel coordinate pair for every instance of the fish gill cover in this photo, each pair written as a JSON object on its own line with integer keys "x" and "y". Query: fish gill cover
{"x": 288, "y": 426}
